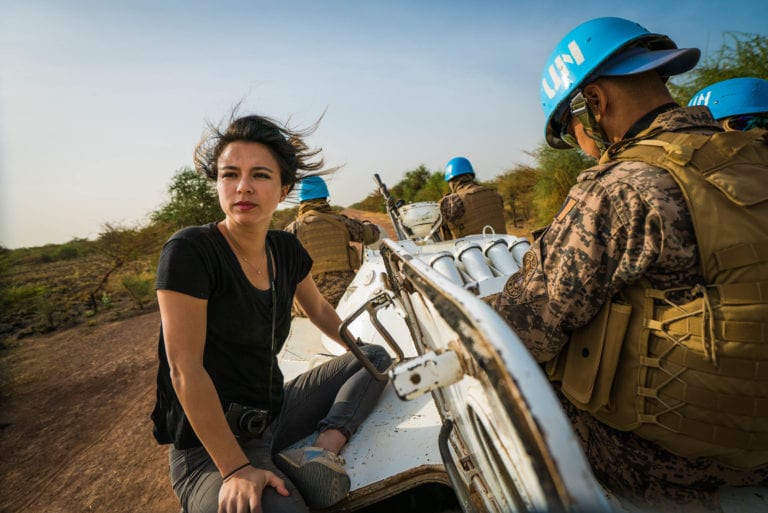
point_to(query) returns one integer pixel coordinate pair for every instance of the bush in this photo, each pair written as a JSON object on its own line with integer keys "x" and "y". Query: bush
{"x": 11, "y": 298}
{"x": 46, "y": 305}
{"x": 66, "y": 252}
{"x": 141, "y": 289}
{"x": 28, "y": 301}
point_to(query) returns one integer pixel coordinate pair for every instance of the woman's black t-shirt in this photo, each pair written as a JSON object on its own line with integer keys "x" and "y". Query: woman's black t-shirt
{"x": 197, "y": 261}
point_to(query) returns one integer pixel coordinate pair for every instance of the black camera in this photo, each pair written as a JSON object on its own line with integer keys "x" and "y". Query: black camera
{"x": 246, "y": 421}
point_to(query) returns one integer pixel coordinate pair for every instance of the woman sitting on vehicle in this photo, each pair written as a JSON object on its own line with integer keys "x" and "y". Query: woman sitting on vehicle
{"x": 225, "y": 292}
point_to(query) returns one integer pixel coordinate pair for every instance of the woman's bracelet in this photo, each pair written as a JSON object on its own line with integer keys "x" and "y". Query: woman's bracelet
{"x": 241, "y": 467}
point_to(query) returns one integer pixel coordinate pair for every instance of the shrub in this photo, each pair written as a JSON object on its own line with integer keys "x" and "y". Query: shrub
{"x": 141, "y": 289}
{"x": 66, "y": 252}
{"x": 28, "y": 301}
{"x": 47, "y": 308}
{"x": 106, "y": 300}
{"x": 15, "y": 297}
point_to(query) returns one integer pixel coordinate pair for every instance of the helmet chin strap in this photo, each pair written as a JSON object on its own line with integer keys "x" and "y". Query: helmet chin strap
{"x": 580, "y": 110}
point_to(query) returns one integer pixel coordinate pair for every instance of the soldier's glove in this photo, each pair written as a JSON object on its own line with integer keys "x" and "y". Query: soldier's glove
{"x": 382, "y": 235}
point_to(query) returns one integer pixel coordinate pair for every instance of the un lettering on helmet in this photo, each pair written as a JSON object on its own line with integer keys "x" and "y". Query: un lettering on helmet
{"x": 559, "y": 72}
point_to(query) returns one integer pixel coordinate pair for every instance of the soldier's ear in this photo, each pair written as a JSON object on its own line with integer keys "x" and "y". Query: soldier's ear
{"x": 597, "y": 99}
{"x": 593, "y": 95}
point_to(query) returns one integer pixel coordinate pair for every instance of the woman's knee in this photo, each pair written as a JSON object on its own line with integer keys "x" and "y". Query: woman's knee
{"x": 274, "y": 502}
{"x": 378, "y": 355}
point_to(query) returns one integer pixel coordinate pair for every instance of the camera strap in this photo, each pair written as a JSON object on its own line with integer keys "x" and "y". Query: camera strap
{"x": 273, "y": 291}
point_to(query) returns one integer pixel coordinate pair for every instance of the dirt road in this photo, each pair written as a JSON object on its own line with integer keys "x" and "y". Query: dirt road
{"x": 76, "y": 434}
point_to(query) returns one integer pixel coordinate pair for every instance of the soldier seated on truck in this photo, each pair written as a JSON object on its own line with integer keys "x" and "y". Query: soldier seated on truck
{"x": 328, "y": 236}
{"x": 646, "y": 296}
{"x": 469, "y": 207}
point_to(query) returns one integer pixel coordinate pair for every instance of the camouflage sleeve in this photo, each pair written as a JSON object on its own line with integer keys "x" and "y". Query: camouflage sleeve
{"x": 361, "y": 231}
{"x": 451, "y": 207}
{"x": 601, "y": 240}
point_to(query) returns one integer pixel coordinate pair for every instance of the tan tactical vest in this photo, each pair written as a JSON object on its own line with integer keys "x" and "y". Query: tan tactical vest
{"x": 327, "y": 241}
{"x": 482, "y": 206}
{"x": 692, "y": 377}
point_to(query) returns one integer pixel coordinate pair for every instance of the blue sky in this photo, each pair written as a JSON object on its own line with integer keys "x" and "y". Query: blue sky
{"x": 101, "y": 102}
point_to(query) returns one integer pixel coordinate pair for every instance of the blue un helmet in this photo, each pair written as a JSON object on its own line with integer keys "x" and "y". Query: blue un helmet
{"x": 458, "y": 166}
{"x": 312, "y": 187}
{"x": 603, "y": 47}
{"x": 737, "y": 97}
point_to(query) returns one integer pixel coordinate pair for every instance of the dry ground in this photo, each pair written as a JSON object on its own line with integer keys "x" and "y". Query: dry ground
{"x": 76, "y": 434}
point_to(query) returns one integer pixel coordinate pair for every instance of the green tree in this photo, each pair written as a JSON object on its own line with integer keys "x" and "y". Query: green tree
{"x": 374, "y": 202}
{"x": 557, "y": 171}
{"x": 434, "y": 188}
{"x": 411, "y": 183}
{"x": 193, "y": 201}
{"x": 419, "y": 185}
{"x": 416, "y": 185}
{"x": 742, "y": 55}
{"x": 516, "y": 186}
{"x": 121, "y": 245}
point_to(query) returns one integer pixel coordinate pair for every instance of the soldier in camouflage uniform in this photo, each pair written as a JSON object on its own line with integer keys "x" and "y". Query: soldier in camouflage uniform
{"x": 470, "y": 206}
{"x": 328, "y": 237}
{"x": 624, "y": 223}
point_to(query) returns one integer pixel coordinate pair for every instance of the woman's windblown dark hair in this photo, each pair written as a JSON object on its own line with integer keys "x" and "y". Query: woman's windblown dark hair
{"x": 287, "y": 145}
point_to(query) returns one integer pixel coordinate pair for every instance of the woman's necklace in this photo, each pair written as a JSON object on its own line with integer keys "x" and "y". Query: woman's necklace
{"x": 238, "y": 250}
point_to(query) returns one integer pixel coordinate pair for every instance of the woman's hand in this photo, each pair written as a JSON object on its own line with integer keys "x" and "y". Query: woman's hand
{"x": 241, "y": 492}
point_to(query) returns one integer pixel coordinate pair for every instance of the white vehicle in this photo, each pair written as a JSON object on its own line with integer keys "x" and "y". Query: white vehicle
{"x": 470, "y": 423}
